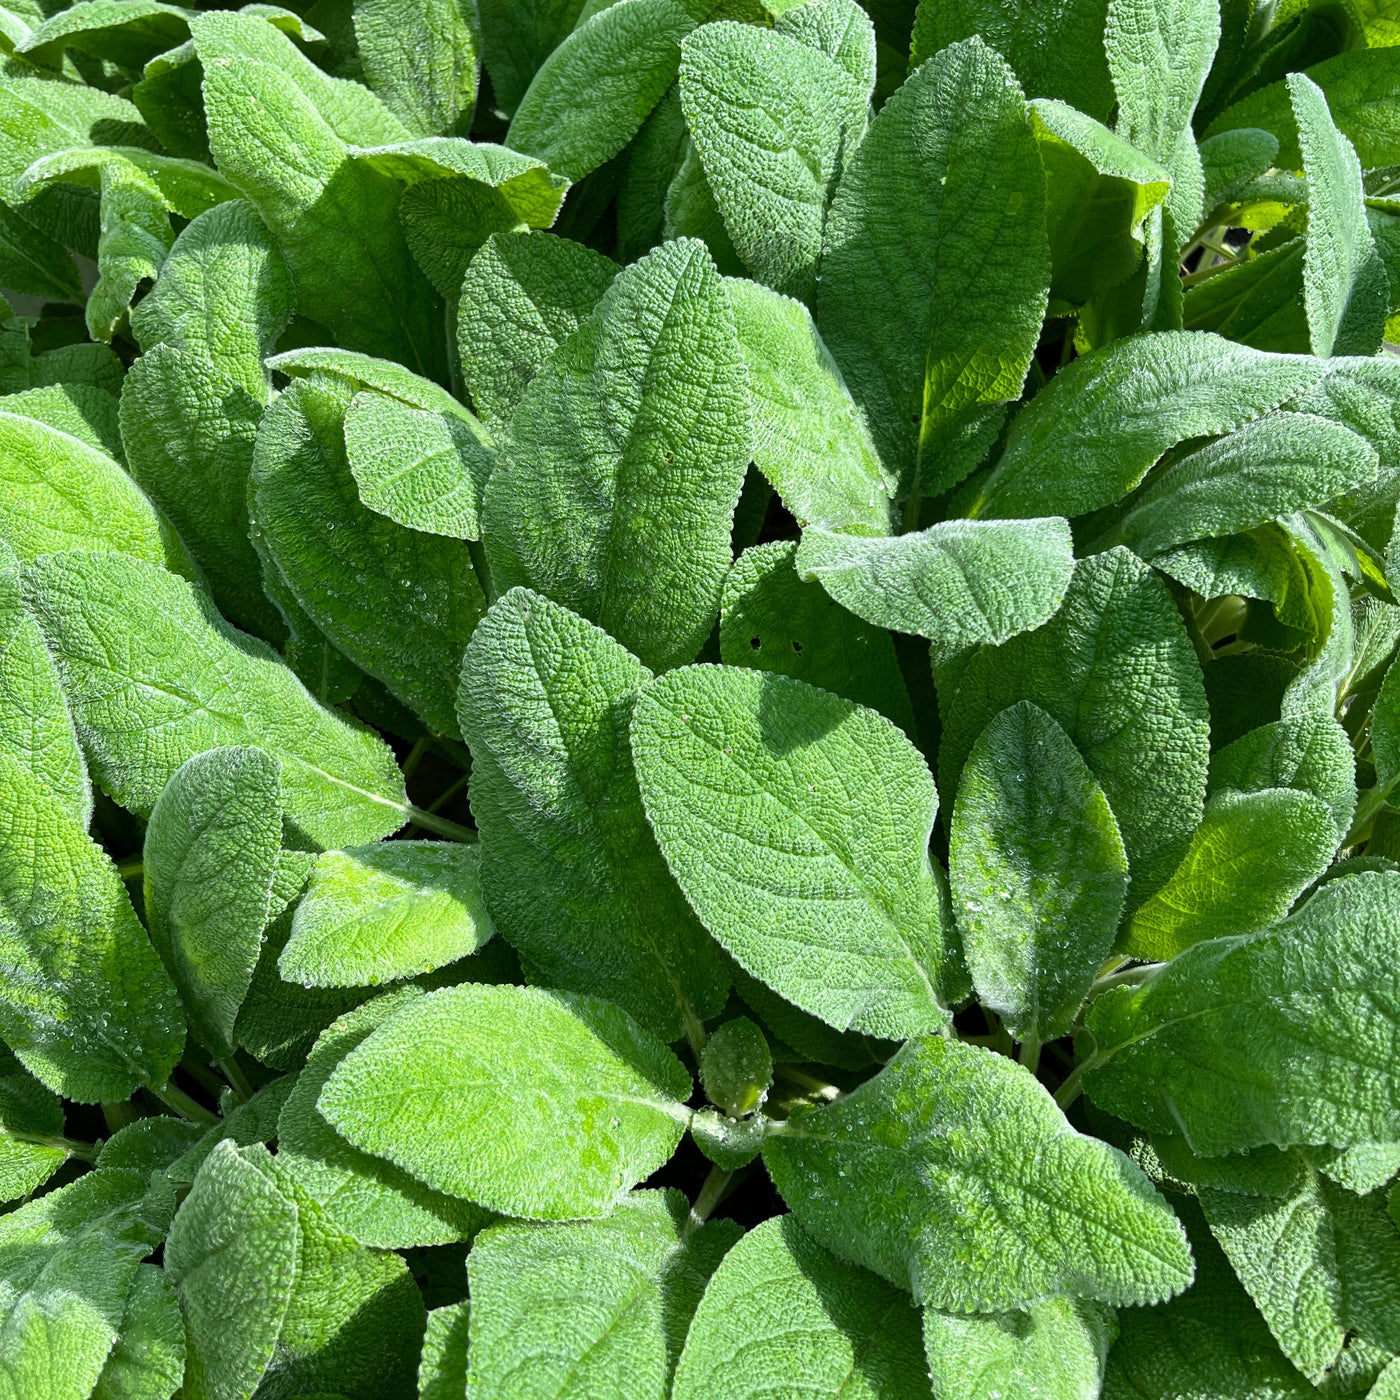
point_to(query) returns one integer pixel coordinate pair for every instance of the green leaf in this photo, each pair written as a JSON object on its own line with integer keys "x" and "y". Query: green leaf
{"x": 70, "y": 1259}
{"x": 1211, "y": 1341}
{"x": 593, "y": 1307}
{"x": 232, "y": 1256}
{"x": 959, "y": 583}
{"x": 1345, "y": 287}
{"x": 1099, "y": 426}
{"x": 1323, "y": 1266}
{"x": 421, "y": 469}
{"x": 1056, "y": 49}
{"x": 134, "y": 235}
{"x": 952, "y": 1173}
{"x": 1257, "y": 302}
{"x": 771, "y": 620}
{"x": 279, "y": 129}
{"x": 33, "y": 263}
{"x": 603, "y": 1108}
{"x": 1038, "y": 872}
{"x": 421, "y": 60}
{"x": 246, "y": 1124}
{"x": 1278, "y": 464}
{"x": 1311, "y": 753}
{"x": 351, "y": 568}
{"x": 545, "y": 701}
{"x": 1252, "y": 855}
{"x": 209, "y": 860}
{"x": 1231, "y": 160}
{"x": 522, "y": 297}
{"x": 1100, "y": 191}
{"x": 930, "y": 331}
{"x": 148, "y": 1360}
{"x": 36, "y": 729}
{"x": 592, "y": 94}
{"x": 460, "y": 194}
{"x": 797, "y": 824}
{"x": 781, "y": 1317}
{"x": 1385, "y": 729}
{"x": 442, "y": 1373}
{"x": 1362, "y": 89}
{"x": 836, "y": 28}
{"x": 649, "y": 390}
{"x": 182, "y": 681}
{"x": 1054, "y": 1351}
{"x": 184, "y": 187}
{"x": 81, "y": 410}
{"x": 1115, "y": 670}
{"x": 379, "y": 913}
{"x": 57, "y": 493}
{"x": 128, "y": 34}
{"x": 1317, "y": 1065}
{"x": 368, "y": 1198}
{"x": 85, "y": 1005}
{"x": 356, "y": 372}
{"x": 1159, "y": 57}
{"x": 149, "y": 1144}
{"x": 31, "y": 1131}
{"x": 517, "y": 36}
{"x": 772, "y": 119}
{"x": 810, "y": 439}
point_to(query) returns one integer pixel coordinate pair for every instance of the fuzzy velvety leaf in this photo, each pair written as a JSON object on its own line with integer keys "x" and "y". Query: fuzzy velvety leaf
{"x": 31, "y": 1131}
{"x": 590, "y": 1306}
{"x": 959, "y": 583}
{"x": 181, "y": 680}
{"x": 210, "y": 857}
{"x": 936, "y": 269}
{"x": 351, "y": 568}
{"x": 148, "y": 1360}
{"x": 569, "y": 869}
{"x": 629, "y": 450}
{"x": 1038, "y": 872}
{"x": 442, "y": 1372}
{"x": 781, "y": 1316}
{"x": 517, "y": 36}
{"x": 952, "y": 1173}
{"x": 557, "y": 1104}
{"x": 797, "y": 823}
{"x": 1115, "y": 669}
{"x": 1319, "y": 1063}
{"x": 421, "y": 60}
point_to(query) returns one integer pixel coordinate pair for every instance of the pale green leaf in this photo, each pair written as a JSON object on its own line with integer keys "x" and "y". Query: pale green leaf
{"x": 82, "y": 411}
{"x": 127, "y": 32}
{"x": 630, "y": 446}
{"x": 209, "y": 860}
{"x": 810, "y": 439}
{"x": 442, "y": 1372}
{"x": 569, "y": 868}
{"x": 771, "y": 620}
{"x": 153, "y": 676}
{"x": 517, "y": 36}
{"x": 422, "y": 60}
{"x": 1038, "y": 872}
{"x": 936, "y": 268}
{"x": 772, "y": 120}
{"x": 1054, "y": 1351}
{"x": 952, "y": 1173}
{"x": 31, "y": 1131}
{"x": 36, "y": 729}
{"x": 149, "y": 1144}
{"x": 69, "y": 1262}
{"x": 592, "y": 94}
{"x": 244, "y": 1124}
{"x": 959, "y": 583}
{"x": 1318, "y": 1063}
{"x": 380, "y": 913}
{"x": 1231, "y": 160}
{"x": 134, "y": 235}
{"x": 558, "y": 1104}
{"x": 1097, "y": 428}
{"x": 184, "y": 187}
{"x": 1345, "y": 287}
{"x": 351, "y": 568}
{"x": 592, "y": 1307}
{"x": 837, "y": 28}
{"x": 422, "y": 469}
{"x": 85, "y": 1003}
{"x": 148, "y": 1360}
{"x": 370, "y": 1199}
{"x": 1278, "y": 464}
{"x": 781, "y": 1319}
{"x": 1253, "y": 854}
{"x": 1056, "y": 48}
{"x": 797, "y": 824}
{"x": 522, "y": 297}
{"x": 1115, "y": 670}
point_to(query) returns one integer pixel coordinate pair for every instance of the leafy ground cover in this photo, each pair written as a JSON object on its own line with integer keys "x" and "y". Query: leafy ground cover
{"x": 700, "y": 700}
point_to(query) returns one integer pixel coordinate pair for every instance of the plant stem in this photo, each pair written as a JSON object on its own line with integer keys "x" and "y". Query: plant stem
{"x": 811, "y": 1086}
{"x": 439, "y": 826}
{"x": 118, "y": 1115}
{"x": 694, "y": 1030}
{"x": 132, "y": 869}
{"x": 83, "y": 1151}
{"x": 1128, "y": 977}
{"x": 203, "y": 1075}
{"x": 233, "y": 1072}
{"x": 415, "y": 755}
{"x": 1030, "y": 1053}
{"x": 1368, "y": 808}
{"x": 711, "y": 1194}
{"x": 1073, "y": 1086}
{"x": 175, "y": 1098}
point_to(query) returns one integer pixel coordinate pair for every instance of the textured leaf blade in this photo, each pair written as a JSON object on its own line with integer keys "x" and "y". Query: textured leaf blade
{"x": 598, "y": 1084}
{"x": 797, "y": 825}
{"x": 953, "y": 1174}
{"x": 422, "y": 61}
